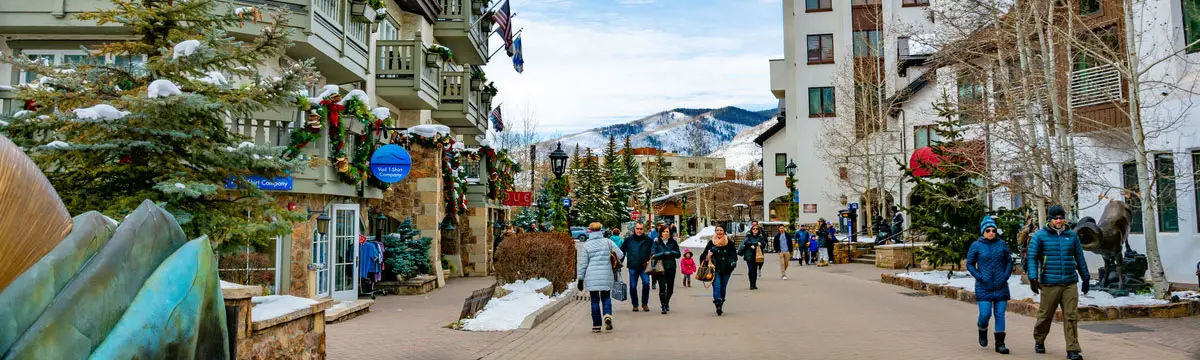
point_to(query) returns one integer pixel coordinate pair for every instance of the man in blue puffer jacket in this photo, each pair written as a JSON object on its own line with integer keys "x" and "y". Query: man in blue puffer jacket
{"x": 1055, "y": 265}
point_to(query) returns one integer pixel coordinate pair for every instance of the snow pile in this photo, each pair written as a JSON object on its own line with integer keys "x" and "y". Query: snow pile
{"x": 328, "y": 90}
{"x": 485, "y": 143}
{"x": 186, "y": 48}
{"x": 701, "y": 239}
{"x": 214, "y": 77}
{"x": 1019, "y": 291}
{"x": 226, "y": 284}
{"x": 458, "y": 146}
{"x": 355, "y": 94}
{"x": 381, "y": 12}
{"x": 268, "y": 307}
{"x": 429, "y": 130}
{"x": 100, "y": 112}
{"x": 507, "y": 313}
{"x": 21, "y": 113}
{"x": 381, "y": 112}
{"x": 244, "y": 10}
{"x": 3, "y": 123}
{"x": 180, "y": 186}
{"x": 57, "y": 145}
{"x": 162, "y": 88}
{"x": 245, "y": 144}
{"x": 1187, "y": 295}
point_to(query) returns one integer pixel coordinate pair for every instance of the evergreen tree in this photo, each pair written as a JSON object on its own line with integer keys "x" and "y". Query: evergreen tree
{"x": 628, "y": 185}
{"x": 658, "y": 174}
{"x": 948, "y": 204}
{"x": 525, "y": 218}
{"x": 544, "y": 211}
{"x": 109, "y": 136}
{"x": 592, "y": 201}
{"x": 406, "y": 252}
{"x": 615, "y": 176}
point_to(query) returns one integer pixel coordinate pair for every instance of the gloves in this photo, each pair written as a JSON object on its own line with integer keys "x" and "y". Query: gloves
{"x": 1087, "y": 285}
{"x": 1035, "y": 286}
{"x": 579, "y": 285}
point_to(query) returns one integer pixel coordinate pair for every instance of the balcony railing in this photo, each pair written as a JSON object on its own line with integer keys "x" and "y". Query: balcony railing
{"x": 459, "y": 18}
{"x": 456, "y": 86}
{"x": 403, "y": 59}
{"x": 332, "y": 11}
{"x": 1096, "y": 85}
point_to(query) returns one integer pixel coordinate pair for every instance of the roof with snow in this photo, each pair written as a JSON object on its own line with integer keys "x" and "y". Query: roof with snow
{"x": 694, "y": 187}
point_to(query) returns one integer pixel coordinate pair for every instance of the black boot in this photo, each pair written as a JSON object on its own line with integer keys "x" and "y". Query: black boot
{"x": 983, "y": 337}
{"x": 1000, "y": 348}
{"x": 1039, "y": 348}
{"x": 1074, "y": 355}
{"x": 719, "y": 303}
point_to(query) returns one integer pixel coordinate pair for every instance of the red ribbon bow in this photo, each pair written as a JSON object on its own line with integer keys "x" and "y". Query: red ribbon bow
{"x": 335, "y": 111}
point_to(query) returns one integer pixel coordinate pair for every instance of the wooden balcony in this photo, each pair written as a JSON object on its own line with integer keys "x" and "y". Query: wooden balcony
{"x": 460, "y": 106}
{"x": 405, "y": 76}
{"x": 459, "y": 28}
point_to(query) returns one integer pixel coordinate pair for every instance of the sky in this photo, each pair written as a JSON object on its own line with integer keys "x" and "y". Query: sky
{"x": 591, "y": 63}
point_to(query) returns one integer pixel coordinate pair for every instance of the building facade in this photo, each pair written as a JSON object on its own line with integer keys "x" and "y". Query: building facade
{"x": 681, "y": 168}
{"x": 389, "y": 60}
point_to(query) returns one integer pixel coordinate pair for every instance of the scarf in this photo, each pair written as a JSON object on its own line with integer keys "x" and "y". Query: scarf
{"x": 720, "y": 241}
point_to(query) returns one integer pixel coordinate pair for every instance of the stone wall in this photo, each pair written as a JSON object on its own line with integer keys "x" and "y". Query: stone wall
{"x": 420, "y": 197}
{"x": 475, "y": 235}
{"x": 298, "y": 335}
{"x": 893, "y": 256}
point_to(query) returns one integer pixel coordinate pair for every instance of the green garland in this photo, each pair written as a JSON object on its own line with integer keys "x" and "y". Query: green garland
{"x": 501, "y": 168}
{"x": 454, "y": 183}
{"x": 351, "y": 170}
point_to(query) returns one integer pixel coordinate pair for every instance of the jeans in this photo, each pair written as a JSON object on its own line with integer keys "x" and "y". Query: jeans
{"x": 987, "y": 309}
{"x": 634, "y": 276}
{"x": 666, "y": 287}
{"x": 721, "y": 284}
{"x": 597, "y": 298}
{"x": 753, "y": 275}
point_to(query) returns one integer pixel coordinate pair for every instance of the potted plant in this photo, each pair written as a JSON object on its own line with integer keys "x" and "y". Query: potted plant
{"x": 438, "y": 54}
{"x": 366, "y": 10}
{"x": 489, "y": 92}
{"x": 356, "y": 127}
{"x": 477, "y": 79}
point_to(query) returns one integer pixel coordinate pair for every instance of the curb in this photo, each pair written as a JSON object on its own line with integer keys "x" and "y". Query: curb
{"x": 1086, "y": 313}
{"x": 537, "y": 317}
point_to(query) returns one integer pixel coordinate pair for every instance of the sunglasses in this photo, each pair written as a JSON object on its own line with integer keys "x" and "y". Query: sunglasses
{"x": 988, "y": 231}
{"x": 1058, "y": 218}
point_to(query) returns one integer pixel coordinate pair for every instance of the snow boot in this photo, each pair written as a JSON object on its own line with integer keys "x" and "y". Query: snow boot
{"x": 983, "y": 337}
{"x": 1039, "y": 348}
{"x": 1000, "y": 348}
{"x": 1074, "y": 355}
{"x": 718, "y": 303}
{"x": 608, "y": 320}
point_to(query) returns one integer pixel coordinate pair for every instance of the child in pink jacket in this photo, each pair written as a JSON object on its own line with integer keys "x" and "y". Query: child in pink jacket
{"x": 688, "y": 267}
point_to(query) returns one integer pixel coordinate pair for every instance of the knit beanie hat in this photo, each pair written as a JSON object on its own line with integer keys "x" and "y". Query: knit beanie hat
{"x": 1056, "y": 211}
{"x": 987, "y": 222}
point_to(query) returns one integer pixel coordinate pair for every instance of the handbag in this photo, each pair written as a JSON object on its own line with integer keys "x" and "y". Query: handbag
{"x": 613, "y": 259}
{"x": 707, "y": 272}
{"x": 655, "y": 267}
{"x": 758, "y": 255}
{"x": 620, "y": 291}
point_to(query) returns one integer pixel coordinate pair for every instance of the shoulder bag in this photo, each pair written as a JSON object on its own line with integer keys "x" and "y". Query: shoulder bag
{"x": 758, "y": 255}
{"x": 706, "y": 272}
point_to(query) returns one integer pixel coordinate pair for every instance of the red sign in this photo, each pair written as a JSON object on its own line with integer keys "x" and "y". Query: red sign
{"x": 635, "y": 215}
{"x": 519, "y": 198}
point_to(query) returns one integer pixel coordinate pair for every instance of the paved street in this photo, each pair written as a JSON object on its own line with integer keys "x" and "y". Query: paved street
{"x": 840, "y": 312}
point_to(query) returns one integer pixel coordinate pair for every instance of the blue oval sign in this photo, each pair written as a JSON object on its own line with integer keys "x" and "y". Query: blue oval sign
{"x": 391, "y": 163}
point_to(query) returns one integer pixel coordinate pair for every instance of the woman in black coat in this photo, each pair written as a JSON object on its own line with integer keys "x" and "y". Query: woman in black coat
{"x": 722, "y": 253}
{"x": 666, "y": 250}
{"x": 754, "y": 240}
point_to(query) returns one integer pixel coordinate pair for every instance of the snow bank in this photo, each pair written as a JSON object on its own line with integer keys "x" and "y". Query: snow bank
{"x": 507, "y": 313}
{"x": 701, "y": 239}
{"x": 1019, "y": 291}
{"x": 186, "y": 48}
{"x": 267, "y": 307}
{"x": 100, "y": 112}
{"x": 162, "y": 88}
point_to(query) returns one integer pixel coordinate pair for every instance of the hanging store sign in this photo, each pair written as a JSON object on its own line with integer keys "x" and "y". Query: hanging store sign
{"x": 391, "y": 163}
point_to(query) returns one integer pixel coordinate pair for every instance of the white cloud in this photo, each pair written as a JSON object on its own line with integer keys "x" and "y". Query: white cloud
{"x": 582, "y": 74}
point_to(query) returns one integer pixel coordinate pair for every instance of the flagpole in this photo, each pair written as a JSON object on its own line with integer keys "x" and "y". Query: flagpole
{"x": 516, "y": 35}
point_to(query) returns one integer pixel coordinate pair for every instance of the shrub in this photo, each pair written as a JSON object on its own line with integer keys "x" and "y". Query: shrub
{"x": 537, "y": 255}
{"x": 406, "y": 252}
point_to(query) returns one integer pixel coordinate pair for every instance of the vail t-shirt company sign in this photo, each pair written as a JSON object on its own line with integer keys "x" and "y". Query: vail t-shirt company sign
{"x": 271, "y": 184}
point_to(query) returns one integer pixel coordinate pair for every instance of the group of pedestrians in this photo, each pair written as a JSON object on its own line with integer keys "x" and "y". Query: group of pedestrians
{"x": 1055, "y": 265}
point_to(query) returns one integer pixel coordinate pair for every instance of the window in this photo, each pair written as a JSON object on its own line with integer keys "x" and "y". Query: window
{"x": 820, "y": 102}
{"x": 1191, "y": 25}
{"x": 820, "y": 49}
{"x": 902, "y": 47}
{"x": 1130, "y": 178}
{"x": 867, "y": 43}
{"x": 864, "y": 2}
{"x": 1017, "y": 192}
{"x": 924, "y": 136}
{"x": 970, "y": 96}
{"x": 667, "y": 163}
{"x": 780, "y": 164}
{"x": 1164, "y": 184}
{"x": 1196, "y": 183}
{"x": 908, "y": 3}
{"x": 691, "y": 165}
{"x": 818, "y": 5}
{"x": 708, "y": 166}
{"x": 74, "y": 57}
{"x": 1088, "y": 7}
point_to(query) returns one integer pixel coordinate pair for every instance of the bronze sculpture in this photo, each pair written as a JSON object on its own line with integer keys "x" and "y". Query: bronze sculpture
{"x": 1122, "y": 272}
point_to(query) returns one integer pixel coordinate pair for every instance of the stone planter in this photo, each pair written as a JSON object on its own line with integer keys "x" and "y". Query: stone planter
{"x": 477, "y": 84}
{"x": 362, "y": 12}
{"x": 433, "y": 59}
{"x": 355, "y": 127}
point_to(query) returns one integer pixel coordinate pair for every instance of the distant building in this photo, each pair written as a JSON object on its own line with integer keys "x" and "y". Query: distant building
{"x": 683, "y": 169}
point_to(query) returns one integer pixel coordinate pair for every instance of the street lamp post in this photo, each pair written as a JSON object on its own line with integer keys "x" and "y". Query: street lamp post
{"x": 649, "y": 206}
{"x": 558, "y": 164}
{"x": 791, "y": 185}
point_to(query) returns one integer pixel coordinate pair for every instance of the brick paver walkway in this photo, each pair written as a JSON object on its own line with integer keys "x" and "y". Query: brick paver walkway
{"x": 839, "y": 312}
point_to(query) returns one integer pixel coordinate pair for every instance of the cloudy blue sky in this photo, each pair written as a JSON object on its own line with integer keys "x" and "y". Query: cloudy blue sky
{"x": 599, "y": 62}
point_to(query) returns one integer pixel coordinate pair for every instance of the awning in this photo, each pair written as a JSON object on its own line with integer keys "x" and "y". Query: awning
{"x": 972, "y": 154}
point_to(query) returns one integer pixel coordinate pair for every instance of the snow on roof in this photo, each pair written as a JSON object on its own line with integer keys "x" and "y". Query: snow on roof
{"x": 162, "y": 88}
{"x": 700, "y": 239}
{"x": 693, "y": 187}
{"x": 356, "y": 93}
{"x": 922, "y": 44}
{"x": 186, "y": 48}
{"x": 100, "y": 112}
{"x": 269, "y": 307}
{"x": 7, "y": 88}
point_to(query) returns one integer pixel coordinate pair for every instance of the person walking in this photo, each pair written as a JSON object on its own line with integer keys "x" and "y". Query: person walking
{"x": 783, "y": 243}
{"x": 1055, "y": 264}
{"x": 723, "y": 255}
{"x": 687, "y": 266}
{"x": 594, "y": 269}
{"x": 825, "y": 233}
{"x": 749, "y": 251}
{"x": 990, "y": 262}
{"x": 897, "y": 226}
{"x": 802, "y": 238}
{"x": 615, "y": 236}
{"x": 637, "y": 249}
{"x": 665, "y": 250}
{"x": 813, "y": 247}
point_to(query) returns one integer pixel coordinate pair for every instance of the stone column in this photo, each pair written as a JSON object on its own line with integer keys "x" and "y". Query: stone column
{"x": 420, "y": 196}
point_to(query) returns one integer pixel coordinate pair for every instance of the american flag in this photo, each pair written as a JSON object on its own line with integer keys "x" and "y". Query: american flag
{"x": 503, "y": 19}
{"x": 497, "y": 120}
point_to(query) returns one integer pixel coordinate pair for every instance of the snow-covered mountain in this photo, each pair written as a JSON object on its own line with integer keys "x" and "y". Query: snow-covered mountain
{"x": 742, "y": 152}
{"x": 673, "y": 130}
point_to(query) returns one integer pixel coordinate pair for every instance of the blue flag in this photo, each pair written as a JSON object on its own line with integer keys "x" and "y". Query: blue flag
{"x": 518, "y": 57}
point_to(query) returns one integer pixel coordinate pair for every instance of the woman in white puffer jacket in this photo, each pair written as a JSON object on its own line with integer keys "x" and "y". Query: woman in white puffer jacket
{"x": 595, "y": 270}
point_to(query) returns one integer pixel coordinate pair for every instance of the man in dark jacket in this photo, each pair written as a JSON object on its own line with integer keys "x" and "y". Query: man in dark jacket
{"x": 802, "y": 237}
{"x": 637, "y": 253}
{"x": 897, "y": 225}
{"x": 1055, "y": 264}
